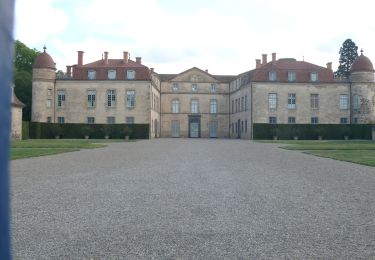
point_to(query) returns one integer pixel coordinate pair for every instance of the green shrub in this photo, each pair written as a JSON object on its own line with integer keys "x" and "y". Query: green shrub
{"x": 311, "y": 131}
{"x": 25, "y": 130}
{"x": 95, "y": 131}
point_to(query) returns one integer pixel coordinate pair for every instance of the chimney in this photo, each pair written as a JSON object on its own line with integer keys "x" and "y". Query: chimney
{"x": 329, "y": 65}
{"x": 138, "y": 60}
{"x": 264, "y": 59}
{"x": 69, "y": 71}
{"x": 126, "y": 57}
{"x": 274, "y": 56}
{"x": 106, "y": 57}
{"x": 152, "y": 70}
{"x": 80, "y": 58}
{"x": 257, "y": 63}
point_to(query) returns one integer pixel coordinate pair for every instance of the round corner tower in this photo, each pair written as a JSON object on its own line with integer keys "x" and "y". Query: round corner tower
{"x": 43, "y": 88}
{"x": 362, "y": 90}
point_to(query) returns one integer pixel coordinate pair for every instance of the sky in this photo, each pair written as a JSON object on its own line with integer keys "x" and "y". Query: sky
{"x": 224, "y": 37}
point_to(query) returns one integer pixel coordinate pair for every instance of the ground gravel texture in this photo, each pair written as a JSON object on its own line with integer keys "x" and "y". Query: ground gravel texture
{"x": 191, "y": 199}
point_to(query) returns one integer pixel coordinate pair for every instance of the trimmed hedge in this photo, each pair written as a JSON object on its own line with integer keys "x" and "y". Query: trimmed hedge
{"x": 312, "y": 131}
{"x": 25, "y": 130}
{"x": 94, "y": 131}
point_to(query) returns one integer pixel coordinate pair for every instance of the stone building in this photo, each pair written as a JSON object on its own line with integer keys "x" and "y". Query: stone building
{"x": 195, "y": 103}
{"x": 17, "y": 106}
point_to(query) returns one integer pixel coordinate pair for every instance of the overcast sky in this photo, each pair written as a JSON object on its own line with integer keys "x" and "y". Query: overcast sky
{"x": 222, "y": 36}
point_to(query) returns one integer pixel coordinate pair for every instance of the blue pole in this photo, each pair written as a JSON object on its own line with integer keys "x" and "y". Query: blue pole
{"x": 6, "y": 78}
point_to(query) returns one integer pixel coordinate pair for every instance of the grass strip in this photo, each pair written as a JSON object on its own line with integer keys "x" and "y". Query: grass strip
{"x": 20, "y": 153}
{"x": 365, "y": 157}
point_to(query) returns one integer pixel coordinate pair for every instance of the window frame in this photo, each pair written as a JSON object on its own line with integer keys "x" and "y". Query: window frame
{"x": 111, "y": 98}
{"x": 272, "y": 75}
{"x": 314, "y": 76}
{"x": 213, "y": 88}
{"x": 292, "y": 101}
{"x": 130, "y": 120}
{"x": 61, "y": 120}
{"x": 272, "y": 101}
{"x": 314, "y": 120}
{"x": 292, "y": 76}
{"x": 91, "y": 74}
{"x": 194, "y": 106}
{"x": 213, "y": 106}
{"x": 175, "y": 87}
{"x": 344, "y": 102}
{"x": 111, "y": 77}
{"x": 194, "y": 87}
{"x": 272, "y": 120}
{"x": 111, "y": 120}
{"x": 130, "y": 98}
{"x": 291, "y": 119}
{"x": 314, "y": 101}
{"x": 90, "y": 120}
{"x": 175, "y": 106}
{"x": 61, "y": 98}
{"x": 130, "y": 74}
{"x": 91, "y": 98}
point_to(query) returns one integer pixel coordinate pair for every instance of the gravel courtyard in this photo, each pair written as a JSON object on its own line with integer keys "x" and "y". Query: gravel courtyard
{"x": 191, "y": 199}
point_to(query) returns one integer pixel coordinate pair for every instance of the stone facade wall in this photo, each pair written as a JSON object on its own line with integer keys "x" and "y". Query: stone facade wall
{"x": 363, "y": 102}
{"x": 16, "y": 123}
{"x": 329, "y": 97}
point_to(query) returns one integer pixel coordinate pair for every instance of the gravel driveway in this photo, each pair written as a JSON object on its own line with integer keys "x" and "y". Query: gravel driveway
{"x": 191, "y": 199}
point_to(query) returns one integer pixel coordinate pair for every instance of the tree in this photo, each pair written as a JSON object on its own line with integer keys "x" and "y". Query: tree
{"x": 23, "y": 64}
{"x": 348, "y": 53}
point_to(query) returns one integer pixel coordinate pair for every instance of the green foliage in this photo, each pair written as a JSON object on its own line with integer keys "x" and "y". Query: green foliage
{"x": 312, "y": 131}
{"x": 25, "y": 130}
{"x": 23, "y": 62}
{"x": 348, "y": 53}
{"x": 95, "y": 131}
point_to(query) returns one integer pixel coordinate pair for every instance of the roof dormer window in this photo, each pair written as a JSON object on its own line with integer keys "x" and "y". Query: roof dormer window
{"x": 272, "y": 75}
{"x": 291, "y": 76}
{"x": 111, "y": 74}
{"x": 130, "y": 74}
{"x": 91, "y": 74}
{"x": 314, "y": 76}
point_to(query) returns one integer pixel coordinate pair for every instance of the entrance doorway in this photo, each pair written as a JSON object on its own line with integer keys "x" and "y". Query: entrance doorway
{"x": 175, "y": 128}
{"x": 194, "y": 127}
{"x": 213, "y": 129}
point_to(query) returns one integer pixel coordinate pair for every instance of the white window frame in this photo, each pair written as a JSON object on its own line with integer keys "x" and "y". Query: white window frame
{"x": 111, "y": 98}
{"x": 292, "y": 76}
{"x": 314, "y": 76}
{"x": 111, "y": 74}
{"x": 356, "y": 102}
{"x": 61, "y": 98}
{"x": 194, "y": 106}
{"x": 292, "y": 101}
{"x": 314, "y": 101}
{"x": 213, "y": 106}
{"x": 344, "y": 102}
{"x": 213, "y": 88}
{"x": 175, "y": 106}
{"x": 194, "y": 87}
{"x": 130, "y": 74}
{"x": 130, "y": 98}
{"x": 49, "y": 92}
{"x": 49, "y": 103}
{"x": 91, "y": 74}
{"x": 272, "y": 75}
{"x": 272, "y": 101}
{"x": 91, "y": 98}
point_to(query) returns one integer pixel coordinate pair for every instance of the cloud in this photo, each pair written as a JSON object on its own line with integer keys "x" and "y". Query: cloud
{"x": 37, "y": 21}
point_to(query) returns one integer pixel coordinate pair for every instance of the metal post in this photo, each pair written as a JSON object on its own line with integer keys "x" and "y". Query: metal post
{"x": 6, "y": 77}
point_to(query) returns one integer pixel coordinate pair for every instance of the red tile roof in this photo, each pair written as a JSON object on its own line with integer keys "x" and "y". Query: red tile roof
{"x": 362, "y": 63}
{"x": 301, "y": 68}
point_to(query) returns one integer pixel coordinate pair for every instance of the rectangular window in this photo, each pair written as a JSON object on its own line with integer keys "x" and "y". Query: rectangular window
{"x": 241, "y": 126}
{"x": 213, "y": 106}
{"x": 355, "y": 120}
{"x": 111, "y": 120}
{"x": 111, "y": 98}
{"x": 343, "y": 120}
{"x": 194, "y": 87}
{"x": 175, "y": 87}
{"x": 49, "y": 119}
{"x": 315, "y": 120}
{"x": 245, "y": 126}
{"x": 236, "y": 105}
{"x": 60, "y": 120}
{"x": 91, "y": 74}
{"x": 232, "y": 106}
{"x": 60, "y": 98}
{"x": 49, "y": 92}
{"x": 130, "y": 98}
{"x": 291, "y": 76}
{"x": 49, "y": 103}
{"x": 343, "y": 101}
{"x": 242, "y": 104}
{"x": 91, "y": 98}
{"x": 272, "y": 100}
{"x": 245, "y": 102}
{"x": 272, "y": 120}
{"x": 91, "y": 120}
{"x": 356, "y": 102}
{"x": 292, "y": 101}
{"x": 111, "y": 74}
{"x": 291, "y": 120}
{"x": 213, "y": 87}
{"x": 130, "y": 119}
{"x": 175, "y": 106}
{"x": 194, "y": 106}
{"x": 314, "y": 101}
{"x": 272, "y": 75}
{"x": 130, "y": 74}
{"x": 314, "y": 76}
{"x": 232, "y": 128}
